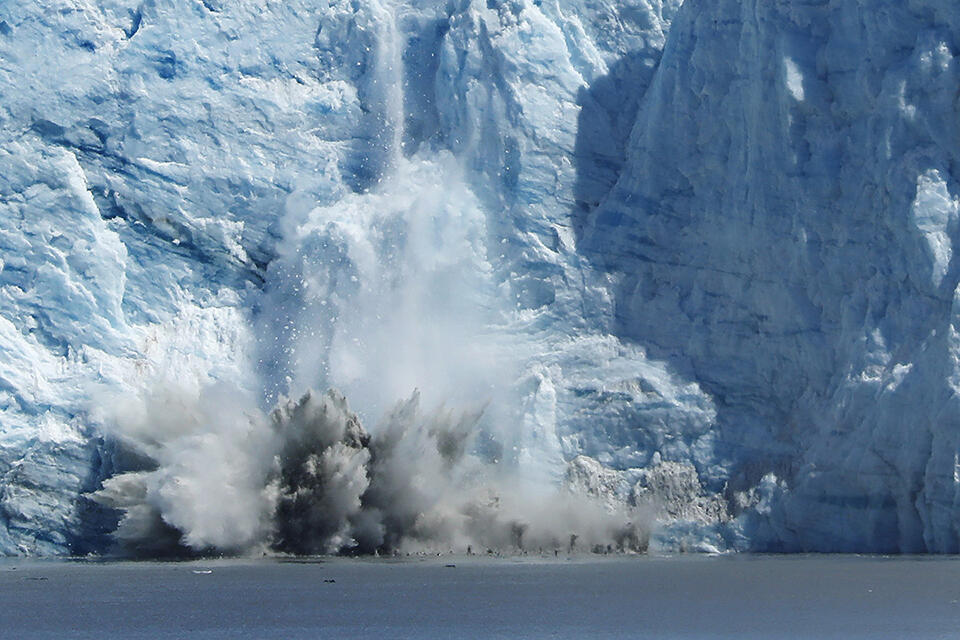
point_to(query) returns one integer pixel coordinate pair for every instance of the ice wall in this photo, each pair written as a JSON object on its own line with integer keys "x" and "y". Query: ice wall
{"x": 275, "y": 197}
{"x": 694, "y": 258}
{"x": 789, "y": 203}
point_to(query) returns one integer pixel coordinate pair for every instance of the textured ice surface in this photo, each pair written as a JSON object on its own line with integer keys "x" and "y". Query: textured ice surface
{"x": 694, "y": 257}
{"x": 789, "y": 205}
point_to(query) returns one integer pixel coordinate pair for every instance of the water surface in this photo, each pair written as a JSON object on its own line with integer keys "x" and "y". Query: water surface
{"x": 624, "y": 597}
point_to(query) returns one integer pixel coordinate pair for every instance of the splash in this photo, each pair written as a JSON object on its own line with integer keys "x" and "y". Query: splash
{"x": 310, "y": 480}
{"x": 192, "y": 472}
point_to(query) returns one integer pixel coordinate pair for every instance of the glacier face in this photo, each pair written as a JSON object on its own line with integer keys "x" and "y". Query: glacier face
{"x": 698, "y": 256}
{"x": 790, "y": 207}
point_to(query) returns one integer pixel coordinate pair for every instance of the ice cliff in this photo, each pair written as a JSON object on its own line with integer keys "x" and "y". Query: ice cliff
{"x": 691, "y": 260}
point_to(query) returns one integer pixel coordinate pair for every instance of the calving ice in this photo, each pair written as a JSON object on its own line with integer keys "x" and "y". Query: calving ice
{"x": 610, "y": 272}
{"x": 310, "y": 480}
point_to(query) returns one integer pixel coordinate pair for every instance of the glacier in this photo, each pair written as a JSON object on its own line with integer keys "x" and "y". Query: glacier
{"x": 691, "y": 260}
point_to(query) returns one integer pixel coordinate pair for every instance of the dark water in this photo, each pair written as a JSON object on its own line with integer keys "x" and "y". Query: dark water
{"x": 685, "y": 597}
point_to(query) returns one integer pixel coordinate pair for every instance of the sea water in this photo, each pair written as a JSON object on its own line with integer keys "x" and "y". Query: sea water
{"x": 485, "y": 597}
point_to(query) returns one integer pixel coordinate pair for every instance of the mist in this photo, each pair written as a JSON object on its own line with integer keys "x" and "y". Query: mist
{"x": 215, "y": 478}
{"x": 193, "y": 470}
